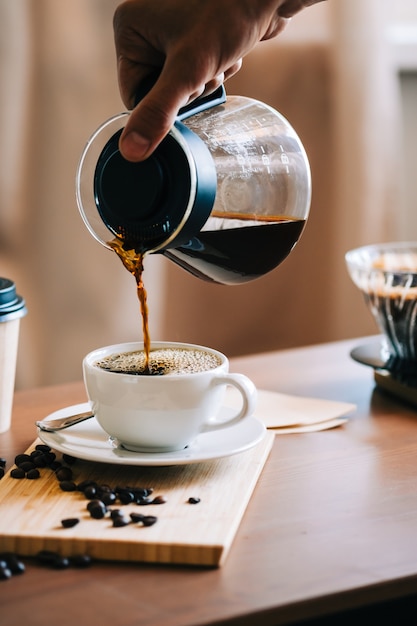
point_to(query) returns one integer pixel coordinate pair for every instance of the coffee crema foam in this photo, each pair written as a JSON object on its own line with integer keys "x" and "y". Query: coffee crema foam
{"x": 161, "y": 362}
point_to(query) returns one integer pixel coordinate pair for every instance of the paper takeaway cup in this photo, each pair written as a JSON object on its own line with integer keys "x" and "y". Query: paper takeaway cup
{"x": 12, "y": 308}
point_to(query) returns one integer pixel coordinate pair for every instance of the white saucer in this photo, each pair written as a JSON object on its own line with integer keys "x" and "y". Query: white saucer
{"x": 88, "y": 441}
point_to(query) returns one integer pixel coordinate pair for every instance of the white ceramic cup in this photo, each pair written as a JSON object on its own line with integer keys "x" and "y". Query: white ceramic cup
{"x": 167, "y": 412}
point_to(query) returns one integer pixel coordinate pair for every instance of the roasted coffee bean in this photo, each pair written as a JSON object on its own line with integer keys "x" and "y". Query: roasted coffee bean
{"x": 17, "y": 566}
{"x": 93, "y": 503}
{"x": 39, "y": 460}
{"x": 81, "y": 560}
{"x": 105, "y": 488}
{"x": 69, "y": 459}
{"x": 97, "y": 512}
{"x": 33, "y": 474}
{"x": 54, "y": 465}
{"x": 1, "y": 472}
{"x": 158, "y": 500}
{"x": 50, "y": 457}
{"x": 17, "y": 472}
{"x": 108, "y": 497}
{"x": 136, "y": 517}
{"x": 26, "y": 466}
{"x": 90, "y": 492}
{"x": 67, "y": 485}
{"x": 115, "y": 513}
{"x": 21, "y": 458}
{"x": 46, "y": 557}
{"x": 143, "y": 501}
{"x": 86, "y": 483}
{"x": 12, "y": 561}
{"x": 70, "y": 522}
{"x": 52, "y": 559}
{"x": 142, "y": 491}
{"x": 194, "y": 500}
{"x": 42, "y": 458}
{"x": 149, "y": 520}
{"x": 60, "y": 562}
{"x": 64, "y": 473}
{"x": 2, "y": 462}
{"x": 126, "y": 497}
{"x": 120, "y": 520}
{"x": 5, "y": 573}
{"x": 97, "y": 509}
{"x": 43, "y": 447}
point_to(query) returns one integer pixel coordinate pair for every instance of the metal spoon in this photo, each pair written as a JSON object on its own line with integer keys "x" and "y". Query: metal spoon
{"x": 60, "y": 423}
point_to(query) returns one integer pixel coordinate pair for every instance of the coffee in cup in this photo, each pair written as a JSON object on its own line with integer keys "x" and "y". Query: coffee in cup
{"x": 163, "y": 408}
{"x": 163, "y": 361}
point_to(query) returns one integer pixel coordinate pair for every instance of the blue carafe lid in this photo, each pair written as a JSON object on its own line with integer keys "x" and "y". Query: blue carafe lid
{"x": 164, "y": 201}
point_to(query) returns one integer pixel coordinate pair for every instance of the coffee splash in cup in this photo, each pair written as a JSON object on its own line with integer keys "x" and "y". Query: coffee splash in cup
{"x": 165, "y": 361}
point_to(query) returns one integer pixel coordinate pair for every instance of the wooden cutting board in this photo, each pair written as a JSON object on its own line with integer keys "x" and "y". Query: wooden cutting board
{"x": 196, "y": 534}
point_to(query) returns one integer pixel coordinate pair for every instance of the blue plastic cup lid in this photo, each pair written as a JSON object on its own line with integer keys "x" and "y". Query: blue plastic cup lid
{"x": 12, "y": 306}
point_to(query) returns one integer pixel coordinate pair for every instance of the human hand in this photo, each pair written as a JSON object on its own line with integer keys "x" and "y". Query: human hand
{"x": 196, "y": 45}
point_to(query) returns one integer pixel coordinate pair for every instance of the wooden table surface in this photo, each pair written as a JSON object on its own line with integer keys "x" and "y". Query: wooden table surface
{"x": 331, "y": 526}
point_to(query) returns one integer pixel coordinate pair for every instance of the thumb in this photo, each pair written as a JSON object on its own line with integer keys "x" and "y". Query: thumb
{"x": 151, "y": 120}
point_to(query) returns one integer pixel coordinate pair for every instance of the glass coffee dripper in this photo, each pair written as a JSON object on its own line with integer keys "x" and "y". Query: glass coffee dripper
{"x": 226, "y": 195}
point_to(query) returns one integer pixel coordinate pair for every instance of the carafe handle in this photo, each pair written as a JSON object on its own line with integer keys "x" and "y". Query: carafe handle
{"x": 196, "y": 106}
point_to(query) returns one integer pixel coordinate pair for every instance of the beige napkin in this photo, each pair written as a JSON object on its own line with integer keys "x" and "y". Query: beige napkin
{"x": 294, "y": 414}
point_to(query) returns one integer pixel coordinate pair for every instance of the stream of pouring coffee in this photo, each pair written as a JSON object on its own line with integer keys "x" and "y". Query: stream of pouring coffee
{"x": 133, "y": 262}
{"x": 224, "y": 249}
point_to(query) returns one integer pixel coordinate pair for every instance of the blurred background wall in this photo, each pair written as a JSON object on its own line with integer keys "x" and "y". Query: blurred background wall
{"x": 344, "y": 75}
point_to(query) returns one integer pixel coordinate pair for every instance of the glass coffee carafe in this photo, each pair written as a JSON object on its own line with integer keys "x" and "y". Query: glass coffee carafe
{"x": 226, "y": 195}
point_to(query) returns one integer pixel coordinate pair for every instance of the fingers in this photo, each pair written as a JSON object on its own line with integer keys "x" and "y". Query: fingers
{"x": 275, "y": 27}
{"x": 154, "y": 116}
{"x": 290, "y": 7}
{"x": 233, "y": 69}
{"x": 148, "y": 124}
{"x": 213, "y": 84}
